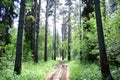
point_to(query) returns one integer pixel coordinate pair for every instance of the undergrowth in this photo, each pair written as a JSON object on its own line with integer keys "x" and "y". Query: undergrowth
{"x": 82, "y": 71}
{"x": 30, "y": 71}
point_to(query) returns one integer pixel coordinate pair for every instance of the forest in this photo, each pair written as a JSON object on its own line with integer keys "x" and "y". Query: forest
{"x": 59, "y": 40}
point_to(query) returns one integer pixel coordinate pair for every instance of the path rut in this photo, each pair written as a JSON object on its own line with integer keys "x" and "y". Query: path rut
{"x": 60, "y": 73}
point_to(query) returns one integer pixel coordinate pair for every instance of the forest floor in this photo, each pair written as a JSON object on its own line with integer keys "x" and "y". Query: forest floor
{"x": 60, "y": 73}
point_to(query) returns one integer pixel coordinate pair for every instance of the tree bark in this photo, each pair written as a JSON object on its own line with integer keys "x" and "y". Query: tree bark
{"x": 63, "y": 37}
{"x": 46, "y": 31}
{"x": 18, "y": 59}
{"x": 34, "y": 55}
{"x": 54, "y": 32}
{"x": 81, "y": 30}
{"x": 69, "y": 31}
{"x": 103, "y": 57}
{"x": 38, "y": 27}
{"x": 35, "y": 31}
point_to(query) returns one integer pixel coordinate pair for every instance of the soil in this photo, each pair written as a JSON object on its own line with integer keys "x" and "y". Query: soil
{"x": 60, "y": 73}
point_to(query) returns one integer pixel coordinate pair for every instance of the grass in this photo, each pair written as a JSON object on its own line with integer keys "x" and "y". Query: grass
{"x": 30, "y": 71}
{"x": 82, "y": 71}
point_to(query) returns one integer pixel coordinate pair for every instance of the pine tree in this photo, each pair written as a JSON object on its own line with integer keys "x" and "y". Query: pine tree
{"x": 46, "y": 31}
{"x": 103, "y": 57}
{"x": 18, "y": 59}
{"x": 54, "y": 32}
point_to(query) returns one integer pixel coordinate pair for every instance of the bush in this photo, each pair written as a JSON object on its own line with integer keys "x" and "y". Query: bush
{"x": 30, "y": 71}
{"x": 84, "y": 71}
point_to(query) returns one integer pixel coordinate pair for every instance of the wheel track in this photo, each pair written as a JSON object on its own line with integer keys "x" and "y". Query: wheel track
{"x": 60, "y": 73}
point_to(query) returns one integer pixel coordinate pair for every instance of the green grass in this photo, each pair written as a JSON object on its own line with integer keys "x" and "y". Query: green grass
{"x": 82, "y": 71}
{"x": 30, "y": 71}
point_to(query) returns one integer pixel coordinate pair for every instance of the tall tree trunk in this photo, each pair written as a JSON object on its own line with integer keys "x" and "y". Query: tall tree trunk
{"x": 38, "y": 26}
{"x": 54, "y": 32}
{"x": 81, "y": 30}
{"x": 63, "y": 38}
{"x": 33, "y": 40}
{"x": 31, "y": 35}
{"x": 46, "y": 31}
{"x": 103, "y": 57}
{"x": 69, "y": 30}
{"x": 18, "y": 59}
{"x": 34, "y": 43}
{"x": 34, "y": 32}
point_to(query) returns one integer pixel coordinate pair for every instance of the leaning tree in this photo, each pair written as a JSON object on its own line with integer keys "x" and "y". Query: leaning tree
{"x": 103, "y": 57}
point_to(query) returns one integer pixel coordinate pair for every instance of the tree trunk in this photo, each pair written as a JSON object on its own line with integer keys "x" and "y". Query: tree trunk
{"x": 69, "y": 31}
{"x": 34, "y": 34}
{"x": 31, "y": 37}
{"x": 35, "y": 30}
{"x": 63, "y": 37}
{"x": 34, "y": 43}
{"x": 81, "y": 30}
{"x": 46, "y": 31}
{"x": 54, "y": 32}
{"x": 103, "y": 57}
{"x": 38, "y": 26}
{"x": 18, "y": 59}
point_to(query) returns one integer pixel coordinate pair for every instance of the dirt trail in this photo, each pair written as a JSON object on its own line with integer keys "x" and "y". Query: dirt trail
{"x": 60, "y": 73}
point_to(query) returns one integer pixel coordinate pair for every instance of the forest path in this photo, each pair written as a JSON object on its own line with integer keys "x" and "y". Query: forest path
{"x": 60, "y": 73}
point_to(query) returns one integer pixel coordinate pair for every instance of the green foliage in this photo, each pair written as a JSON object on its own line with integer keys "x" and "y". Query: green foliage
{"x": 84, "y": 71}
{"x": 112, "y": 27}
{"x": 118, "y": 1}
{"x": 88, "y": 46}
{"x": 30, "y": 17}
{"x": 116, "y": 74}
{"x": 41, "y": 43}
{"x": 76, "y": 43}
{"x": 2, "y": 32}
{"x": 6, "y": 2}
{"x": 27, "y": 53}
{"x": 30, "y": 71}
{"x": 65, "y": 47}
{"x": 9, "y": 51}
{"x": 50, "y": 45}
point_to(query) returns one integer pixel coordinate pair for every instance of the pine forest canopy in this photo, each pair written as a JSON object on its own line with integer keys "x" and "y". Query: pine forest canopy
{"x": 81, "y": 33}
